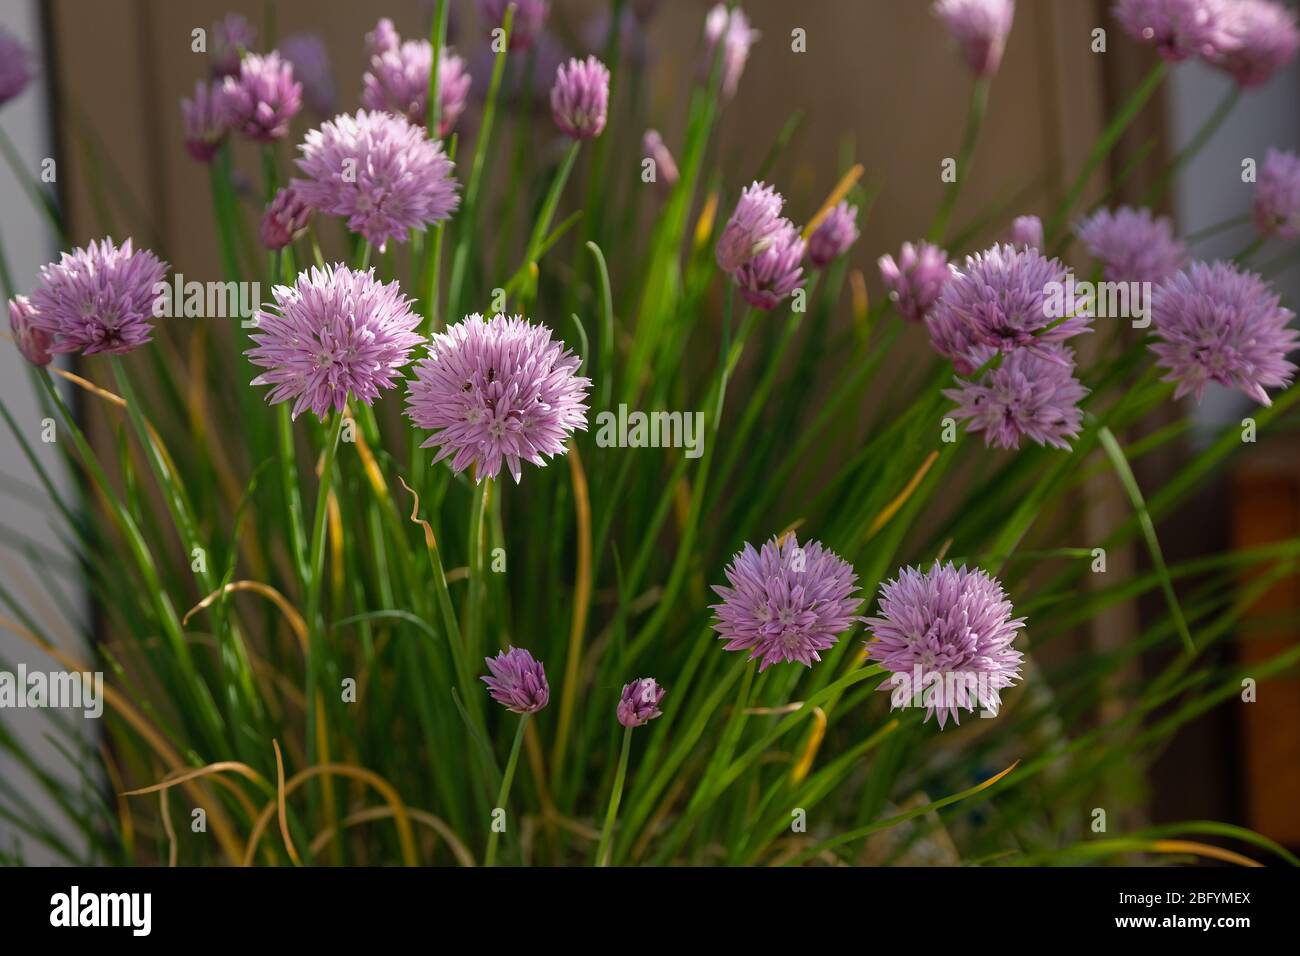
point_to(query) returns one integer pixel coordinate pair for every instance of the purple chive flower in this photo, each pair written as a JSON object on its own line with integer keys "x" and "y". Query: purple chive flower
{"x": 398, "y": 80}
{"x": 1178, "y": 28}
{"x": 917, "y": 279}
{"x": 980, "y": 28}
{"x": 753, "y": 226}
{"x": 16, "y": 66}
{"x": 306, "y": 53}
{"x": 204, "y": 122}
{"x": 1025, "y": 397}
{"x": 652, "y": 147}
{"x": 1216, "y": 323}
{"x": 529, "y": 17}
{"x": 832, "y": 238}
{"x": 952, "y": 338}
{"x": 1009, "y": 299}
{"x": 786, "y": 601}
{"x": 767, "y": 278}
{"x": 379, "y": 171}
{"x": 285, "y": 219}
{"x": 382, "y": 39}
{"x": 98, "y": 299}
{"x": 1265, "y": 39}
{"x": 334, "y": 333}
{"x": 517, "y": 681}
{"x": 495, "y": 389}
{"x": 639, "y": 702}
{"x": 1277, "y": 196}
{"x": 232, "y": 37}
{"x": 1134, "y": 245}
{"x": 262, "y": 99}
{"x": 733, "y": 31}
{"x": 32, "y": 341}
{"x": 580, "y": 98}
{"x": 948, "y": 631}
{"x": 1026, "y": 232}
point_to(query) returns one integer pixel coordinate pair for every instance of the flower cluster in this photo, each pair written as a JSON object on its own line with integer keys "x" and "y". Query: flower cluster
{"x": 398, "y": 79}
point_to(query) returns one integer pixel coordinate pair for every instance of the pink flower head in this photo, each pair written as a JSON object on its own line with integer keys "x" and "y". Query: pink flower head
{"x": 1026, "y": 232}
{"x": 232, "y": 37}
{"x": 32, "y": 341}
{"x": 204, "y": 122}
{"x": 753, "y": 226}
{"x": 1025, "y": 397}
{"x": 98, "y": 299}
{"x": 786, "y": 601}
{"x": 285, "y": 220}
{"x": 980, "y": 28}
{"x": 1265, "y": 39}
{"x": 382, "y": 39}
{"x": 917, "y": 279}
{"x": 666, "y": 174}
{"x": 529, "y": 17}
{"x": 733, "y": 31}
{"x": 398, "y": 81}
{"x": 16, "y": 66}
{"x": 832, "y": 238}
{"x": 1216, "y": 323}
{"x": 380, "y": 172}
{"x": 639, "y": 702}
{"x": 1277, "y": 196}
{"x": 1134, "y": 245}
{"x": 334, "y": 333}
{"x": 1179, "y": 28}
{"x": 769, "y": 277}
{"x": 517, "y": 681}
{"x": 306, "y": 53}
{"x": 494, "y": 390}
{"x": 262, "y": 99}
{"x": 947, "y": 635}
{"x": 580, "y": 98}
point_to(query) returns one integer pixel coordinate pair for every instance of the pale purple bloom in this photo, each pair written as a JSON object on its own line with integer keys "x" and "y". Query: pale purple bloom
{"x": 497, "y": 389}
{"x": 1133, "y": 245}
{"x": 753, "y": 226}
{"x": 398, "y": 81}
{"x": 1277, "y": 196}
{"x": 334, "y": 333}
{"x": 453, "y": 90}
{"x": 639, "y": 702}
{"x": 232, "y": 37}
{"x": 311, "y": 67}
{"x": 980, "y": 28}
{"x": 16, "y": 66}
{"x": 1265, "y": 39}
{"x": 529, "y": 17}
{"x": 652, "y": 147}
{"x": 262, "y": 99}
{"x": 832, "y": 238}
{"x": 285, "y": 219}
{"x": 917, "y": 279}
{"x": 1179, "y": 28}
{"x": 32, "y": 341}
{"x": 1025, "y": 397}
{"x": 786, "y": 601}
{"x": 517, "y": 681}
{"x": 205, "y": 125}
{"x": 382, "y": 39}
{"x": 947, "y": 636}
{"x": 769, "y": 277}
{"x": 733, "y": 31}
{"x": 379, "y": 171}
{"x": 1026, "y": 232}
{"x": 580, "y": 98}
{"x": 1217, "y": 323}
{"x": 98, "y": 299}
{"x": 1008, "y": 299}
{"x": 954, "y": 339}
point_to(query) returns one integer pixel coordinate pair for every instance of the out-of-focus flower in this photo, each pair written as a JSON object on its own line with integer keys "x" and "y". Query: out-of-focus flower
{"x": 382, "y": 39}
{"x": 379, "y": 171}
{"x": 733, "y": 31}
{"x": 306, "y": 53}
{"x": 1134, "y": 245}
{"x": 947, "y": 633}
{"x": 786, "y": 601}
{"x": 1179, "y": 28}
{"x": 917, "y": 279}
{"x": 1025, "y": 397}
{"x": 1026, "y": 232}
{"x": 832, "y": 238}
{"x": 517, "y": 681}
{"x": 32, "y": 341}
{"x": 952, "y": 338}
{"x": 398, "y": 81}
{"x": 334, "y": 333}
{"x": 1264, "y": 39}
{"x": 262, "y": 99}
{"x": 285, "y": 220}
{"x": 652, "y": 147}
{"x": 16, "y": 66}
{"x": 980, "y": 28}
{"x": 232, "y": 37}
{"x": 204, "y": 122}
{"x": 494, "y": 390}
{"x": 97, "y": 299}
{"x": 529, "y": 17}
{"x": 769, "y": 277}
{"x": 753, "y": 226}
{"x": 1277, "y": 196}
{"x": 1216, "y": 323}
{"x": 639, "y": 702}
{"x": 580, "y": 98}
